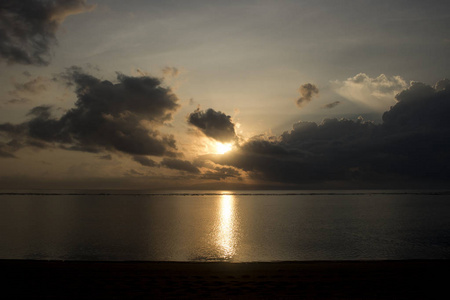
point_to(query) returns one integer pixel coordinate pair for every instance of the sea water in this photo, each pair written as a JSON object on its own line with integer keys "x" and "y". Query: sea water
{"x": 225, "y": 225}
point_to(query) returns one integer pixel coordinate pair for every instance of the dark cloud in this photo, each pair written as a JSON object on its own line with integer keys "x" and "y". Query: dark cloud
{"x": 142, "y": 72}
{"x": 5, "y": 152}
{"x": 106, "y": 157}
{"x": 7, "y": 149}
{"x": 221, "y": 173}
{"x": 419, "y": 107}
{"x": 214, "y": 124}
{"x": 181, "y": 165}
{"x": 13, "y": 130}
{"x": 28, "y": 27}
{"x": 145, "y": 161}
{"x": 442, "y": 85}
{"x": 122, "y": 116}
{"x": 331, "y": 105}
{"x": 411, "y": 145}
{"x": 307, "y": 92}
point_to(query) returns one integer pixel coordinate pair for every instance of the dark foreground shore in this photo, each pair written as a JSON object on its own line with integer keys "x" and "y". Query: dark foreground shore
{"x": 280, "y": 280}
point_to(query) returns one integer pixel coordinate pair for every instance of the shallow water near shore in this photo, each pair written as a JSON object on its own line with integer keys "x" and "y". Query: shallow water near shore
{"x": 225, "y": 226}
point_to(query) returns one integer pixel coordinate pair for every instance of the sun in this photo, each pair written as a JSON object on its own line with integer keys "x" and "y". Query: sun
{"x": 222, "y": 148}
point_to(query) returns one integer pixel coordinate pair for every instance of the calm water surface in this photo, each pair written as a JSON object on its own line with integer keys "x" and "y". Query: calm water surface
{"x": 225, "y": 226}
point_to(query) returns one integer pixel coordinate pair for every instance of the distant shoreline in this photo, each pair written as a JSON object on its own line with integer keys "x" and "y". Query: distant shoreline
{"x": 396, "y": 279}
{"x": 235, "y": 193}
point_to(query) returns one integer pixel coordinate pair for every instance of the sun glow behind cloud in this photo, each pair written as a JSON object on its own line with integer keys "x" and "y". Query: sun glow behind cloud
{"x": 222, "y": 148}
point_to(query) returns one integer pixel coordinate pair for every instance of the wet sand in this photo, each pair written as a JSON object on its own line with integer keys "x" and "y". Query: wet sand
{"x": 279, "y": 280}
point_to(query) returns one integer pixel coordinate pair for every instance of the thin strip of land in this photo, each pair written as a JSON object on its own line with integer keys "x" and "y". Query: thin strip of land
{"x": 417, "y": 279}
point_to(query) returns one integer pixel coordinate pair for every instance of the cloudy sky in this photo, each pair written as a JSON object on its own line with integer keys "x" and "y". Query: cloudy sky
{"x": 224, "y": 94}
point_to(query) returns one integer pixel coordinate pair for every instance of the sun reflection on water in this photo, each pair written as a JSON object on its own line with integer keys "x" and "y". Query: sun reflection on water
{"x": 226, "y": 235}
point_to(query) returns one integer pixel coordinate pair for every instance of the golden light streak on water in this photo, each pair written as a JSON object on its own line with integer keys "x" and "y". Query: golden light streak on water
{"x": 226, "y": 235}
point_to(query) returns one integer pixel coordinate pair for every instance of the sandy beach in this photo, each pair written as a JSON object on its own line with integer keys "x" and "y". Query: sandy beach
{"x": 275, "y": 280}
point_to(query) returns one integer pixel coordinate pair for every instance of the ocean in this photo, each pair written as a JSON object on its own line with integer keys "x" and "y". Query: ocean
{"x": 232, "y": 226}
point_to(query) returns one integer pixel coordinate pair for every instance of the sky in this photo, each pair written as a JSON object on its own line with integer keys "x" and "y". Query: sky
{"x": 109, "y": 94}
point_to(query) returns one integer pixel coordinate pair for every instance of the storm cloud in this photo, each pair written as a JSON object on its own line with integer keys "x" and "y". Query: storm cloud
{"x": 123, "y": 116}
{"x": 214, "y": 124}
{"x": 28, "y": 28}
{"x": 307, "y": 92}
{"x": 412, "y": 144}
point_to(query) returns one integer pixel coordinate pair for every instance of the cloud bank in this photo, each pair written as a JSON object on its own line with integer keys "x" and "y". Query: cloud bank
{"x": 28, "y": 28}
{"x": 412, "y": 144}
{"x": 118, "y": 117}
{"x": 214, "y": 124}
